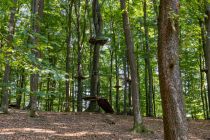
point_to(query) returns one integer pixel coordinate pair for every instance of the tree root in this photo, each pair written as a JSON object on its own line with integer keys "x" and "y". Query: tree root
{"x": 140, "y": 128}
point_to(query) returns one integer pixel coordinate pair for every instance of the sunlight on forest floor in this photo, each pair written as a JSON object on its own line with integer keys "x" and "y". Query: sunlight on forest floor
{"x": 60, "y": 126}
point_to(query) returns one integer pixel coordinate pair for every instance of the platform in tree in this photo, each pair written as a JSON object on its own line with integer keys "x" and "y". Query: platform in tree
{"x": 98, "y": 40}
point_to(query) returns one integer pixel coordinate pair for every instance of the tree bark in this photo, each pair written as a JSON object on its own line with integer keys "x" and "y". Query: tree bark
{"x": 80, "y": 41}
{"x": 68, "y": 48}
{"x": 79, "y": 58}
{"x": 125, "y": 71}
{"x": 21, "y": 86}
{"x": 175, "y": 125}
{"x": 111, "y": 50}
{"x": 110, "y": 77}
{"x": 97, "y": 21}
{"x": 206, "y": 53}
{"x": 202, "y": 65}
{"x": 117, "y": 86}
{"x": 138, "y": 122}
{"x": 5, "y": 89}
{"x": 202, "y": 87}
{"x": 148, "y": 69}
{"x": 37, "y": 11}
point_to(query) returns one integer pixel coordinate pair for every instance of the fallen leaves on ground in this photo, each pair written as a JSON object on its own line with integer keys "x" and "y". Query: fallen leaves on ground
{"x": 88, "y": 126}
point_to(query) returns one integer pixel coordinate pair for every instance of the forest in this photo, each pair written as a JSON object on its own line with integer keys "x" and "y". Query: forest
{"x": 135, "y": 61}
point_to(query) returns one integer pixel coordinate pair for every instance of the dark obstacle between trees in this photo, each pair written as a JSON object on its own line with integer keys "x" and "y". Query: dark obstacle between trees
{"x": 102, "y": 102}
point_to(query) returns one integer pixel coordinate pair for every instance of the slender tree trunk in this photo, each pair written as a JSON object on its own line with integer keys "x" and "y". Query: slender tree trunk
{"x": 94, "y": 78}
{"x": 117, "y": 86}
{"x": 206, "y": 54}
{"x": 20, "y": 92}
{"x": 175, "y": 125}
{"x": 73, "y": 94}
{"x": 37, "y": 11}
{"x": 148, "y": 68}
{"x": 53, "y": 86}
{"x": 155, "y": 7}
{"x": 125, "y": 84}
{"x": 59, "y": 98}
{"x": 39, "y": 99}
{"x": 202, "y": 69}
{"x": 79, "y": 58}
{"x": 5, "y": 89}
{"x": 34, "y": 88}
{"x": 201, "y": 86}
{"x": 111, "y": 61}
{"x": 110, "y": 77}
{"x": 138, "y": 122}
{"x": 68, "y": 48}
{"x": 203, "y": 44}
{"x": 154, "y": 104}
{"x": 97, "y": 21}
{"x": 47, "y": 108}
{"x": 146, "y": 86}
{"x": 80, "y": 48}
{"x": 91, "y": 46}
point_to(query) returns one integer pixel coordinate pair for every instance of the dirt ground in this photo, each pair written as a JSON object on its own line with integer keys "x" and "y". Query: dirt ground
{"x": 88, "y": 126}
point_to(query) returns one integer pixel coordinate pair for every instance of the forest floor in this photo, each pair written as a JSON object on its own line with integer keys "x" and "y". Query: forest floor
{"x": 86, "y": 126}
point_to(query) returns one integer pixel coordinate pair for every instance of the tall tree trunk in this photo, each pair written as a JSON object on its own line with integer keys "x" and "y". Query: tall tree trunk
{"x": 117, "y": 86}
{"x": 97, "y": 21}
{"x": 110, "y": 77}
{"x": 111, "y": 50}
{"x": 125, "y": 84}
{"x": 37, "y": 11}
{"x": 202, "y": 69}
{"x": 201, "y": 87}
{"x": 206, "y": 53}
{"x": 148, "y": 72}
{"x": 155, "y": 7}
{"x": 80, "y": 41}
{"x": 138, "y": 122}
{"x": 5, "y": 89}
{"x": 68, "y": 48}
{"x": 79, "y": 58}
{"x": 175, "y": 125}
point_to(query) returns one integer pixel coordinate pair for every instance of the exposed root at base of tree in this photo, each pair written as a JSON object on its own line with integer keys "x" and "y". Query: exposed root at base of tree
{"x": 140, "y": 128}
{"x": 33, "y": 114}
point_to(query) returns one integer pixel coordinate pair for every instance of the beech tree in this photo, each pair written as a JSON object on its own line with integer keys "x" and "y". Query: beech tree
{"x": 174, "y": 118}
{"x": 7, "y": 70}
{"x": 37, "y": 10}
{"x": 68, "y": 52}
{"x": 206, "y": 53}
{"x": 148, "y": 68}
{"x": 138, "y": 122}
{"x": 96, "y": 41}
